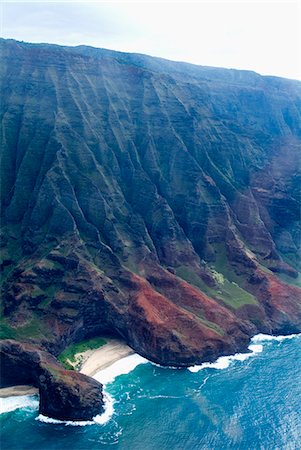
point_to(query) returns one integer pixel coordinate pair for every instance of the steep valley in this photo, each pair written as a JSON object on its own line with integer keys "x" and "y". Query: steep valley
{"x": 153, "y": 200}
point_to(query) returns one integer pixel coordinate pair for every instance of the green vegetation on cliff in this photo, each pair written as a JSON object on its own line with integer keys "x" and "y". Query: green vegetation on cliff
{"x": 33, "y": 328}
{"x": 67, "y": 357}
{"x": 126, "y": 181}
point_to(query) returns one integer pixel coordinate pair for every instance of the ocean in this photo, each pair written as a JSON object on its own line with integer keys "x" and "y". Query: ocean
{"x": 247, "y": 401}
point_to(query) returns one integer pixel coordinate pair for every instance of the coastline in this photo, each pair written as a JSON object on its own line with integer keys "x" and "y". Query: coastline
{"x": 92, "y": 361}
{"x": 104, "y": 361}
{"x": 16, "y": 391}
{"x": 95, "y": 360}
{"x": 140, "y": 394}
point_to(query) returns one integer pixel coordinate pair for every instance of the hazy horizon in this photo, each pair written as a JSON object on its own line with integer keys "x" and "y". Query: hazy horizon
{"x": 264, "y": 37}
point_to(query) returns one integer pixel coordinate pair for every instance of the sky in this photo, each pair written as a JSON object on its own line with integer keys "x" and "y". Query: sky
{"x": 264, "y": 36}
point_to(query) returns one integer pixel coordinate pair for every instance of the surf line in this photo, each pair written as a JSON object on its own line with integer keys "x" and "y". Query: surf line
{"x": 105, "y": 376}
{"x": 126, "y": 365}
{"x": 255, "y": 347}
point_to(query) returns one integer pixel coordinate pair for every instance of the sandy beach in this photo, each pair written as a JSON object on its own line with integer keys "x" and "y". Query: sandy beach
{"x": 101, "y": 358}
{"x": 14, "y": 391}
{"x": 92, "y": 361}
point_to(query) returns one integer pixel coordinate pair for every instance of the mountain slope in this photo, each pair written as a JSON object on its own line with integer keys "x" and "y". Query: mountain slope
{"x": 156, "y": 200}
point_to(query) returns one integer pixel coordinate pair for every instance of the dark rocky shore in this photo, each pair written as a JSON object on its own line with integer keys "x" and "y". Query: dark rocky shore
{"x": 64, "y": 394}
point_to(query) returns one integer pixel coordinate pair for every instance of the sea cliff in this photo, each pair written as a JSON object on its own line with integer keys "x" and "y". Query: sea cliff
{"x": 153, "y": 200}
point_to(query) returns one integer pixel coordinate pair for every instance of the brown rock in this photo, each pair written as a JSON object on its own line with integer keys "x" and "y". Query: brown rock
{"x": 64, "y": 394}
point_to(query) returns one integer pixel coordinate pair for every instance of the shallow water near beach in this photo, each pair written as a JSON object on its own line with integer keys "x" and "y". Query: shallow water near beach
{"x": 242, "y": 402}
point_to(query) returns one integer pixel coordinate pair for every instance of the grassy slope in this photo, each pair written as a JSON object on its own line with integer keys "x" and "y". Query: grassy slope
{"x": 68, "y": 355}
{"x": 228, "y": 288}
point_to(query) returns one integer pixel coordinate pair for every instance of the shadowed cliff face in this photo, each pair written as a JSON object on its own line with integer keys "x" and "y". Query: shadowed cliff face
{"x": 156, "y": 200}
{"x": 58, "y": 388}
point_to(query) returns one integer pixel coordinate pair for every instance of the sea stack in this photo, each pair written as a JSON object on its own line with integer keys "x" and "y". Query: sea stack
{"x": 64, "y": 394}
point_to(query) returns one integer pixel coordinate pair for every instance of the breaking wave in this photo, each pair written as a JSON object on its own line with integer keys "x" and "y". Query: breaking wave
{"x": 121, "y": 367}
{"x": 100, "y": 419}
{"x": 9, "y": 404}
{"x": 223, "y": 362}
{"x": 267, "y": 337}
{"x": 125, "y": 366}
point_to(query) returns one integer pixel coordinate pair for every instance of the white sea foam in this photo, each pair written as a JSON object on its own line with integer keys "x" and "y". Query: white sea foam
{"x": 267, "y": 337}
{"x": 9, "y": 404}
{"x": 121, "y": 367}
{"x": 105, "y": 376}
{"x": 80, "y": 423}
{"x": 255, "y": 347}
{"x": 103, "y": 418}
{"x": 100, "y": 419}
{"x": 224, "y": 361}
{"x": 126, "y": 365}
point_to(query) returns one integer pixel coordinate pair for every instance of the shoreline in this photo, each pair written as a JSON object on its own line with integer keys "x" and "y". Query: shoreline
{"x": 91, "y": 362}
{"x": 16, "y": 391}
{"x": 94, "y": 361}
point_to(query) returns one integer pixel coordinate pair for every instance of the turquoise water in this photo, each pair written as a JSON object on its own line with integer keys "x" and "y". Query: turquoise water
{"x": 254, "y": 403}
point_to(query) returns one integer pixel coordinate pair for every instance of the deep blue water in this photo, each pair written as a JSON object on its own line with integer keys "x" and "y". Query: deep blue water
{"x": 251, "y": 404}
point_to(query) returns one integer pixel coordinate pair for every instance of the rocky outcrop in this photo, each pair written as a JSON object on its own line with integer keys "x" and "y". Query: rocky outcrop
{"x": 155, "y": 200}
{"x": 64, "y": 394}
